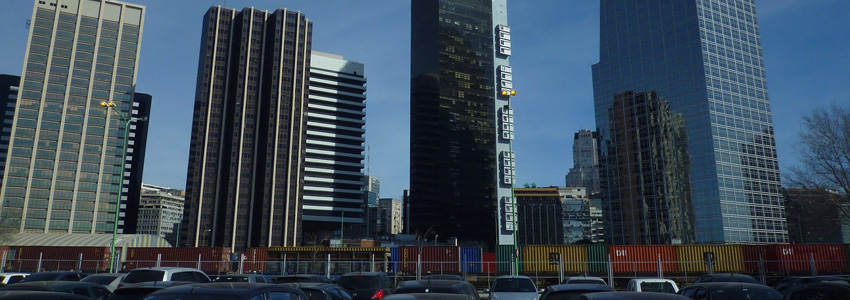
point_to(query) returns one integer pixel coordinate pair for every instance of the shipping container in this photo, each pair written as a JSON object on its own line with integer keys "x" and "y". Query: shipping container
{"x": 470, "y": 259}
{"x": 213, "y": 260}
{"x": 828, "y": 258}
{"x": 597, "y": 256}
{"x": 257, "y": 260}
{"x": 505, "y": 255}
{"x": 726, "y": 258}
{"x": 489, "y": 262}
{"x": 26, "y": 259}
{"x": 313, "y": 260}
{"x": 434, "y": 259}
{"x": 394, "y": 260}
{"x": 536, "y": 259}
{"x": 643, "y": 259}
{"x": 752, "y": 255}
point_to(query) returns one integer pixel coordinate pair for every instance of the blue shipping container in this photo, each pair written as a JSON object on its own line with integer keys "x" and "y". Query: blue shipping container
{"x": 471, "y": 259}
{"x": 393, "y": 265}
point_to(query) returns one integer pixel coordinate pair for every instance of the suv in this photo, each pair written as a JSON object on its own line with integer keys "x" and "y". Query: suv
{"x": 366, "y": 285}
{"x": 166, "y": 274}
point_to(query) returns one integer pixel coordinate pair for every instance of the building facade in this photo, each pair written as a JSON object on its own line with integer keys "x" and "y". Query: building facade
{"x": 65, "y": 166}
{"x": 813, "y": 218}
{"x": 246, "y": 156}
{"x": 704, "y": 58}
{"x": 461, "y": 124}
{"x": 9, "y": 85}
{"x": 540, "y": 216}
{"x": 394, "y": 220}
{"x": 585, "y": 170}
{"x": 136, "y": 144}
{"x": 160, "y": 212}
{"x": 333, "y": 178}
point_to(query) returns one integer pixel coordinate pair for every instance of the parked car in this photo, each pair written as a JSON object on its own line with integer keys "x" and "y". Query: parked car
{"x": 302, "y": 278}
{"x": 322, "y": 291}
{"x": 438, "y": 286}
{"x": 10, "y": 278}
{"x": 427, "y": 296}
{"x": 726, "y": 278}
{"x": 166, "y": 274}
{"x": 39, "y": 295}
{"x": 572, "y": 291}
{"x": 730, "y": 291}
{"x": 228, "y": 290}
{"x": 110, "y": 281}
{"x": 136, "y": 291}
{"x": 54, "y": 276}
{"x": 583, "y": 280}
{"x": 633, "y": 296}
{"x": 787, "y": 284}
{"x": 366, "y": 285}
{"x": 252, "y": 278}
{"x": 653, "y": 285}
{"x": 87, "y": 289}
{"x": 820, "y": 290}
{"x": 513, "y": 288}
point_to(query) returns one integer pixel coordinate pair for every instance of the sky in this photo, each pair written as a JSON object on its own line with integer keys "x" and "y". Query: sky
{"x": 554, "y": 43}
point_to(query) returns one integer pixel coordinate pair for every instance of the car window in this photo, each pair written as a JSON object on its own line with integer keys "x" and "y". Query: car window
{"x": 359, "y": 282}
{"x": 200, "y": 277}
{"x": 517, "y": 285}
{"x": 745, "y": 293}
{"x": 283, "y": 296}
{"x": 101, "y": 280}
{"x": 184, "y": 276}
{"x": 16, "y": 278}
{"x": 567, "y": 295}
{"x": 100, "y": 293}
{"x": 144, "y": 276}
{"x": 259, "y": 297}
{"x": 344, "y": 294}
{"x": 660, "y": 287}
{"x": 631, "y": 286}
{"x": 315, "y": 294}
{"x": 81, "y": 291}
{"x": 700, "y": 293}
{"x": 688, "y": 292}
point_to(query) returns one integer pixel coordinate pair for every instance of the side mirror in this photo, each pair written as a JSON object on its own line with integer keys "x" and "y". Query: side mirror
{"x": 485, "y": 291}
{"x": 540, "y": 291}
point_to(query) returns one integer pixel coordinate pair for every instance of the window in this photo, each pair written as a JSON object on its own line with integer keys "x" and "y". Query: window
{"x": 283, "y": 296}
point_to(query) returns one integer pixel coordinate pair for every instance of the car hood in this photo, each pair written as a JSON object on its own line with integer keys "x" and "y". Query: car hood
{"x": 513, "y": 296}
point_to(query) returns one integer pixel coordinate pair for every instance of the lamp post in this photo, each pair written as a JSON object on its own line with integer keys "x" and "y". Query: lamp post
{"x": 111, "y": 106}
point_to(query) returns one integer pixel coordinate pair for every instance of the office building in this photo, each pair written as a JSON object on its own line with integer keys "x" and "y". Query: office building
{"x": 461, "y": 124}
{"x": 585, "y": 170}
{"x": 65, "y": 166}
{"x": 703, "y": 59}
{"x": 333, "y": 178}
{"x": 136, "y": 145}
{"x": 582, "y": 216}
{"x": 160, "y": 212}
{"x": 540, "y": 218}
{"x": 246, "y": 156}
{"x": 813, "y": 218}
{"x": 394, "y": 220}
{"x": 9, "y": 85}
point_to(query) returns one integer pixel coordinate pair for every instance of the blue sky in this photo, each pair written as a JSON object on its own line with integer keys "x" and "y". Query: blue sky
{"x": 806, "y": 46}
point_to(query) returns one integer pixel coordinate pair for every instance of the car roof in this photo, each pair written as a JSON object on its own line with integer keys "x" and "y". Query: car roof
{"x": 726, "y": 275}
{"x": 29, "y": 295}
{"x": 426, "y": 296}
{"x": 579, "y": 286}
{"x": 304, "y": 275}
{"x": 513, "y": 276}
{"x": 638, "y": 280}
{"x": 311, "y": 285}
{"x": 634, "y": 296}
{"x": 363, "y": 273}
{"x": 114, "y": 275}
{"x": 166, "y": 269}
{"x": 229, "y": 288}
{"x": 154, "y": 285}
{"x": 433, "y": 282}
{"x": 12, "y": 273}
{"x": 717, "y": 285}
{"x": 52, "y": 283}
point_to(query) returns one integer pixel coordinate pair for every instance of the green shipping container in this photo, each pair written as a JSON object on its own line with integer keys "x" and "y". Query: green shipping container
{"x": 597, "y": 259}
{"x": 505, "y": 257}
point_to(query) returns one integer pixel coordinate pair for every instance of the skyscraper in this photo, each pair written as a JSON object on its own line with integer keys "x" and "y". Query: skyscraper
{"x": 585, "y": 170}
{"x": 333, "y": 178}
{"x": 246, "y": 157}
{"x": 65, "y": 165}
{"x": 460, "y": 124}
{"x": 704, "y": 59}
{"x": 9, "y": 86}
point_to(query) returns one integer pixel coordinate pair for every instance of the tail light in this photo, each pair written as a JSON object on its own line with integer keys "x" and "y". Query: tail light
{"x": 378, "y": 295}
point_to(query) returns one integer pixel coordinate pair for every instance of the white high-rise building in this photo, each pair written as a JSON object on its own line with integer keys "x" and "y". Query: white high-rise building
{"x": 585, "y": 170}
{"x": 160, "y": 211}
{"x": 394, "y": 215}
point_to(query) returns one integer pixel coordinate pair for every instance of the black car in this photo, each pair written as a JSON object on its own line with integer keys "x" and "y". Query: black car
{"x": 136, "y": 291}
{"x": 55, "y": 276}
{"x": 366, "y": 285}
{"x": 726, "y": 278}
{"x": 437, "y": 286}
{"x": 39, "y": 295}
{"x": 228, "y": 291}
{"x": 837, "y": 290}
{"x": 426, "y": 296}
{"x": 322, "y": 291}
{"x": 87, "y": 289}
{"x": 302, "y": 278}
{"x": 572, "y": 291}
{"x": 252, "y": 278}
{"x": 633, "y": 296}
{"x": 730, "y": 291}
{"x": 787, "y": 284}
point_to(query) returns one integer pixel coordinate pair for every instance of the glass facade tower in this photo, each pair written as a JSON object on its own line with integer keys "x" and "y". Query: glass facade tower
{"x": 65, "y": 154}
{"x": 704, "y": 58}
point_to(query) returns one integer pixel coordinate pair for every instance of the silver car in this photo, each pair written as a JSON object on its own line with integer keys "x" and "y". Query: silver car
{"x": 513, "y": 288}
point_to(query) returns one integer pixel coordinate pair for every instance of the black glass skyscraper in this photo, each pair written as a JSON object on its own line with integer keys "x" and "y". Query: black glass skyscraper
{"x": 704, "y": 58}
{"x": 457, "y": 47}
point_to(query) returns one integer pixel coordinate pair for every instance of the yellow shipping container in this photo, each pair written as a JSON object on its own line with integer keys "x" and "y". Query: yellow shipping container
{"x": 535, "y": 258}
{"x": 727, "y": 258}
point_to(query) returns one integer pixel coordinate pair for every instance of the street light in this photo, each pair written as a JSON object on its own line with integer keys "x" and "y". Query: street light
{"x": 204, "y": 237}
{"x": 111, "y": 106}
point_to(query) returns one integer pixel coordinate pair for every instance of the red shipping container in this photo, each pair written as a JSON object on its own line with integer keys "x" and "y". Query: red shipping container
{"x": 489, "y": 265}
{"x": 95, "y": 259}
{"x": 643, "y": 259}
{"x": 435, "y": 259}
{"x": 829, "y": 258}
{"x": 752, "y": 254}
{"x": 214, "y": 260}
{"x": 256, "y": 260}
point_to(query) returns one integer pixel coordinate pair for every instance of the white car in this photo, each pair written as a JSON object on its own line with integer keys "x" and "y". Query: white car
{"x": 657, "y": 285}
{"x": 513, "y": 288}
{"x": 584, "y": 280}
{"x": 10, "y": 278}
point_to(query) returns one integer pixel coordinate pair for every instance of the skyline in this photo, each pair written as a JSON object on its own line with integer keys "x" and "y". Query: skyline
{"x": 805, "y": 47}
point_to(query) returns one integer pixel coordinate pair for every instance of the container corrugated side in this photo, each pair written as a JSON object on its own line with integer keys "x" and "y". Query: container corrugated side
{"x": 727, "y": 258}
{"x": 470, "y": 259}
{"x": 597, "y": 256}
{"x": 257, "y": 260}
{"x": 536, "y": 258}
{"x": 489, "y": 263}
{"x": 95, "y": 259}
{"x": 214, "y": 260}
{"x": 505, "y": 257}
{"x": 828, "y": 258}
{"x": 643, "y": 259}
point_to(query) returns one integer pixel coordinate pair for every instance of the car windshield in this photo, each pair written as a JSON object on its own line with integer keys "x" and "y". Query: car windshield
{"x": 314, "y": 294}
{"x": 41, "y": 277}
{"x": 101, "y": 280}
{"x": 358, "y": 282}
{"x": 232, "y": 279}
{"x": 144, "y": 276}
{"x": 586, "y": 281}
{"x": 736, "y": 278}
{"x": 515, "y": 285}
{"x": 660, "y": 287}
{"x": 745, "y": 294}
{"x": 567, "y": 295}
{"x": 292, "y": 279}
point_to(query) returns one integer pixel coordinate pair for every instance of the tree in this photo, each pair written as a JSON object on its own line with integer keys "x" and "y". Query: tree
{"x": 824, "y": 156}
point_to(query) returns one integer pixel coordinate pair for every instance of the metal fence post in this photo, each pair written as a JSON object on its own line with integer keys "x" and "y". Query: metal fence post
{"x": 3, "y": 264}
{"x": 610, "y": 272}
{"x": 158, "y": 260}
{"x": 710, "y": 261}
{"x": 419, "y": 266}
{"x": 199, "y": 262}
{"x": 40, "y": 255}
{"x": 328, "y": 268}
{"x": 761, "y": 270}
{"x": 812, "y": 264}
{"x": 373, "y": 262}
{"x": 560, "y": 268}
{"x": 79, "y": 265}
{"x": 283, "y": 268}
